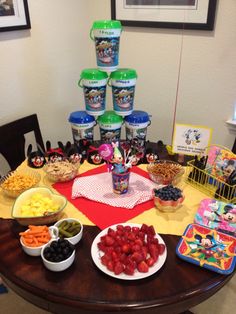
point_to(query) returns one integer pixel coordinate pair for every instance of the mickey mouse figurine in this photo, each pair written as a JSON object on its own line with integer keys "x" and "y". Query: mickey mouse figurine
{"x": 54, "y": 154}
{"x": 94, "y": 157}
{"x": 35, "y": 159}
{"x": 71, "y": 152}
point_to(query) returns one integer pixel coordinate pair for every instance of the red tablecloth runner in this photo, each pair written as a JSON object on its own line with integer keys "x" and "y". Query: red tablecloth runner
{"x": 100, "y": 214}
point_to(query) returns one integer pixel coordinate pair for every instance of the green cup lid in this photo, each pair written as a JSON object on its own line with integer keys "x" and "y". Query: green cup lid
{"x": 123, "y": 74}
{"x": 108, "y": 24}
{"x": 110, "y": 117}
{"x": 93, "y": 74}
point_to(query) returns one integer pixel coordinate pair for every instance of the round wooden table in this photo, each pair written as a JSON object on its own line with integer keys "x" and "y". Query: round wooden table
{"x": 83, "y": 288}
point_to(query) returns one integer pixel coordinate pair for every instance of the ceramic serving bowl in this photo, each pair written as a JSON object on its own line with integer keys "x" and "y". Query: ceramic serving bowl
{"x": 61, "y": 171}
{"x": 36, "y": 251}
{"x": 168, "y": 198}
{"x": 57, "y": 266}
{"x": 168, "y": 206}
{"x": 18, "y": 181}
{"x": 26, "y": 213}
{"x": 71, "y": 222}
{"x": 165, "y": 172}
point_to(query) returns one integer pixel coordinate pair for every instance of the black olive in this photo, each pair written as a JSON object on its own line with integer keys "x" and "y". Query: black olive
{"x": 65, "y": 251}
{"x": 47, "y": 250}
{"x": 60, "y": 257}
{"x": 47, "y": 255}
{"x": 54, "y": 244}
{"x": 59, "y": 249}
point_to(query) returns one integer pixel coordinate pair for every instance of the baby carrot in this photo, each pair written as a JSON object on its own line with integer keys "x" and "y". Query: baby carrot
{"x": 35, "y": 236}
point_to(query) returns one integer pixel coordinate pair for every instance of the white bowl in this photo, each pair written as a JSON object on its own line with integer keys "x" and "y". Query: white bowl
{"x": 75, "y": 239}
{"x": 36, "y": 251}
{"x": 57, "y": 266}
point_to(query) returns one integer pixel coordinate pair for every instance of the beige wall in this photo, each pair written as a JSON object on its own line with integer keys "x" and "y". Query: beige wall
{"x": 39, "y": 69}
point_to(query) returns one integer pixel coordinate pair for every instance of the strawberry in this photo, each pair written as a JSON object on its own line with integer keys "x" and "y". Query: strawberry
{"x": 144, "y": 228}
{"x": 104, "y": 260}
{"x": 114, "y": 256}
{"x": 143, "y": 267}
{"x": 109, "y": 241}
{"x": 111, "y": 232}
{"x": 151, "y": 230}
{"x": 120, "y": 227}
{"x": 161, "y": 248}
{"x": 127, "y": 228}
{"x": 101, "y": 246}
{"x": 129, "y": 269}
{"x": 117, "y": 249}
{"x": 131, "y": 236}
{"x": 120, "y": 232}
{"x": 109, "y": 250}
{"x": 137, "y": 257}
{"x": 125, "y": 248}
{"x": 135, "y": 248}
{"x": 141, "y": 235}
{"x": 150, "y": 261}
{"x": 118, "y": 268}
{"x": 139, "y": 242}
{"x": 123, "y": 258}
{"x": 155, "y": 241}
{"x": 103, "y": 239}
{"x": 118, "y": 240}
{"x": 135, "y": 230}
{"x": 150, "y": 238}
{"x": 153, "y": 251}
{"x": 110, "y": 265}
{"x": 144, "y": 251}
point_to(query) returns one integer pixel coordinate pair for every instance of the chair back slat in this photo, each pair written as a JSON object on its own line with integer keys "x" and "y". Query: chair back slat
{"x": 12, "y": 139}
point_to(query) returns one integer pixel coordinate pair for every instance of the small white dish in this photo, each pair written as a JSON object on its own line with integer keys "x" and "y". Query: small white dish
{"x": 76, "y": 238}
{"x": 57, "y": 266}
{"x": 36, "y": 251}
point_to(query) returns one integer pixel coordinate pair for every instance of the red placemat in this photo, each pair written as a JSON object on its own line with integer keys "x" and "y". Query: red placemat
{"x": 100, "y": 214}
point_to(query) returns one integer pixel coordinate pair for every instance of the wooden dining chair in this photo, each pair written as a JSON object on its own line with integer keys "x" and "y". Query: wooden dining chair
{"x": 12, "y": 139}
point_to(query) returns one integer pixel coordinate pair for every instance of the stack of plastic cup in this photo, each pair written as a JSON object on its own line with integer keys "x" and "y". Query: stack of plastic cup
{"x": 94, "y": 82}
{"x": 82, "y": 126}
{"x": 106, "y": 35}
{"x": 110, "y": 126}
{"x": 123, "y": 83}
{"x": 136, "y": 126}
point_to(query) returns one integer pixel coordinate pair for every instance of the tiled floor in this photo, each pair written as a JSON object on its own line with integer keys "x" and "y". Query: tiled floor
{"x": 223, "y": 302}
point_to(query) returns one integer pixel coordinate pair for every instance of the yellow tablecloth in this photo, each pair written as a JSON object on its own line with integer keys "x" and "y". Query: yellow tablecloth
{"x": 167, "y": 223}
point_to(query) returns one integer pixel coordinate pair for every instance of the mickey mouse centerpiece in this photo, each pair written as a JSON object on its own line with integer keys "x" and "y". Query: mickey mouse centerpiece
{"x": 119, "y": 164}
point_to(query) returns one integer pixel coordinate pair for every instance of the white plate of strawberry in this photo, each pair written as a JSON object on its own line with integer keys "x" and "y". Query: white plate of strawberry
{"x": 129, "y": 251}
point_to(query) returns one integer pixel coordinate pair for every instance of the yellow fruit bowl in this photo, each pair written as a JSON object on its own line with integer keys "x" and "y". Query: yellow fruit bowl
{"x": 38, "y": 206}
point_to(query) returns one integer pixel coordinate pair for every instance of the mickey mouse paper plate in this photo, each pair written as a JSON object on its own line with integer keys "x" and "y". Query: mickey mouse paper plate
{"x": 208, "y": 248}
{"x": 217, "y": 215}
